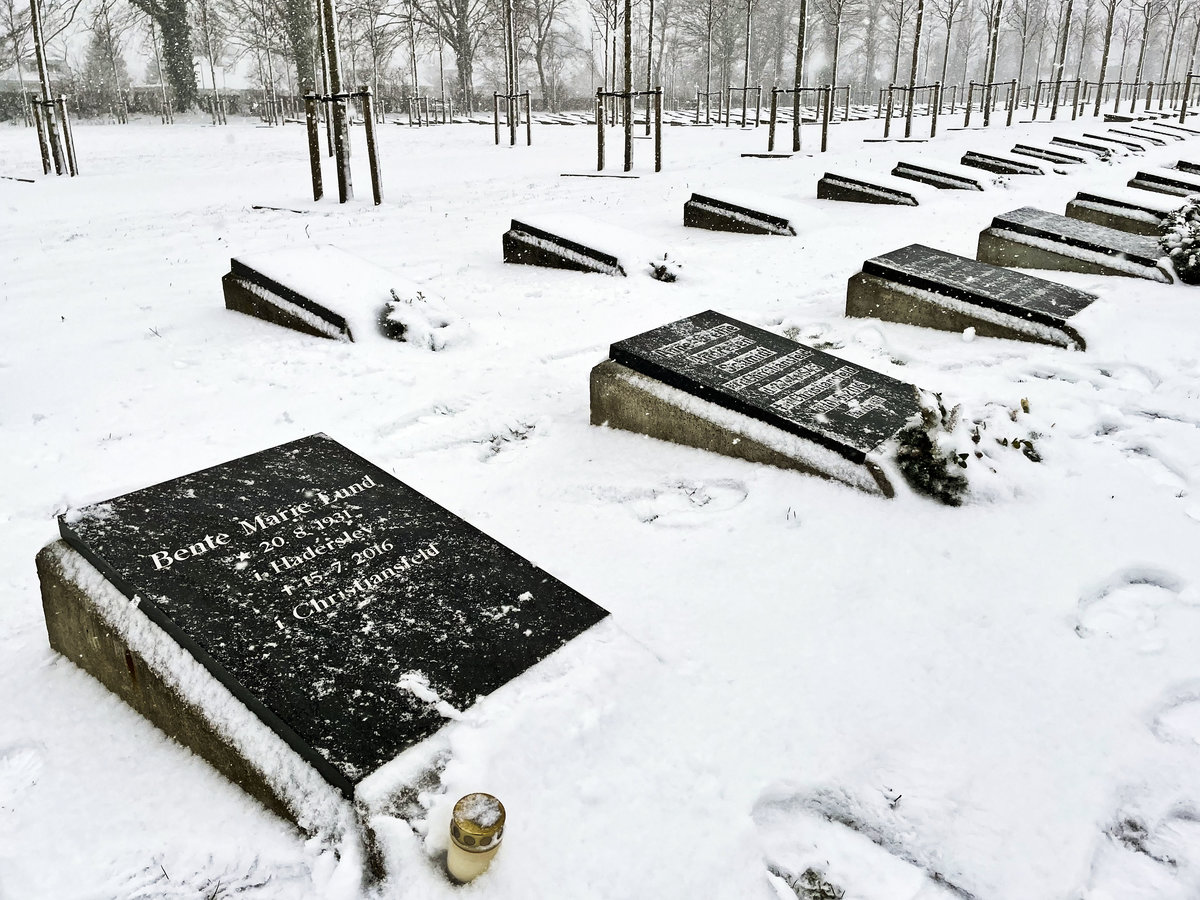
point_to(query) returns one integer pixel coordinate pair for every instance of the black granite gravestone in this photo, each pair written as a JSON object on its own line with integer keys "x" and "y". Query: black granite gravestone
{"x": 1035, "y": 239}
{"x": 942, "y": 177}
{"x": 1047, "y": 153}
{"x": 1166, "y": 181}
{"x": 861, "y": 189}
{"x": 792, "y": 406}
{"x": 1141, "y": 137}
{"x": 1138, "y": 212}
{"x": 532, "y": 246}
{"x": 310, "y": 583}
{"x": 1074, "y": 144}
{"x": 1188, "y": 167}
{"x": 920, "y": 285}
{"x": 1158, "y": 131}
{"x": 1001, "y": 165}
{"x": 1120, "y": 142}
{"x": 713, "y": 214}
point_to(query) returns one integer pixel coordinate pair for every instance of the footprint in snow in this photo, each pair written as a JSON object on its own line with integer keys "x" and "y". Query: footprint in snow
{"x": 1178, "y": 720}
{"x": 1138, "y": 858}
{"x": 829, "y": 844}
{"x": 20, "y": 767}
{"x": 683, "y": 503}
{"x": 1131, "y": 605}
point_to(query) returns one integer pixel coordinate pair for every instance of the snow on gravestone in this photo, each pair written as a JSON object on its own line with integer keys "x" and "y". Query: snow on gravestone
{"x": 999, "y": 163}
{"x": 1166, "y": 181}
{"x": 318, "y": 589}
{"x": 713, "y": 382}
{"x": 566, "y": 241}
{"x": 1029, "y": 238}
{"x": 919, "y": 285}
{"x": 1125, "y": 209}
{"x": 324, "y": 291}
{"x": 737, "y": 212}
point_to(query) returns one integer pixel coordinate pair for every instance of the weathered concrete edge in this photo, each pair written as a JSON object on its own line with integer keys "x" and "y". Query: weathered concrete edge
{"x": 871, "y": 297}
{"x": 96, "y": 627}
{"x": 625, "y": 399}
{"x": 1007, "y": 248}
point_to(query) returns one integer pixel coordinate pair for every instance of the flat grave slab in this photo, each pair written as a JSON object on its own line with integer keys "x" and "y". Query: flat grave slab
{"x": 564, "y": 241}
{"x": 1074, "y": 144}
{"x": 1141, "y": 136}
{"x": 943, "y": 176}
{"x": 1047, "y": 153}
{"x": 1182, "y": 129}
{"x": 1124, "y": 208}
{"x": 1166, "y": 181}
{"x": 1126, "y": 142}
{"x": 712, "y": 382}
{"x": 919, "y": 285}
{"x": 1029, "y": 238}
{"x": 316, "y": 589}
{"x": 1000, "y": 163}
{"x": 866, "y": 189}
{"x": 731, "y": 211}
{"x": 1158, "y": 131}
{"x": 324, "y": 291}
{"x": 1187, "y": 167}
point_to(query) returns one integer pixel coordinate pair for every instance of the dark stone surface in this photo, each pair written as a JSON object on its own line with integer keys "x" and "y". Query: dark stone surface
{"x": 249, "y": 291}
{"x": 859, "y": 190}
{"x": 1046, "y": 153}
{"x": 1014, "y": 293}
{"x": 749, "y": 370}
{"x": 1158, "y": 141}
{"x": 1189, "y": 168}
{"x": 929, "y": 174}
{"x": 1157, "y": 131}
{"x": 703, "y": 211}
{"x": 1073, "y": 233}
{"x": 309, "y": 581}
{"x": 1091, "y": 146}
{"x": 1161, "y": 182}
{"x": 1113, "y": 139}
{"x": 526, "y": 245}
{"x": 1121, "y": 202}
{"x": 998, "y": 164}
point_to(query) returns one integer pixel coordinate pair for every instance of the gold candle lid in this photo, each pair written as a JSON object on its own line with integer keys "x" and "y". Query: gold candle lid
{"x": 477, "y": 824}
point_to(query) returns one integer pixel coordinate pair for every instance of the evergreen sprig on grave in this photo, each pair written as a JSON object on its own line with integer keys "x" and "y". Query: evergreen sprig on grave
{"x": 1181, "y": 240}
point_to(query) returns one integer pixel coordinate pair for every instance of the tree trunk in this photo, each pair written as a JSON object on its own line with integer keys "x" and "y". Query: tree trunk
{"x": 297, "y": 22}
{"x": 946, "y": 52}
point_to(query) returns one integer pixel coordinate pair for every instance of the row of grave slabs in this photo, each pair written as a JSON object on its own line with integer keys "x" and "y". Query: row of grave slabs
{"x": 230, "y": 568}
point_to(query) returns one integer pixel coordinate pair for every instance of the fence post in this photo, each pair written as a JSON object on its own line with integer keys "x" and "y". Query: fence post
{"x": 887, "y": 122}
{"x": 937, "y": 105}
{"x": 658, "y": 95}
{"x": 825, "y": 118}
{"x": 879, "y": 107}
{"x": 528, "y": 121}
{"x": 599, "y": 130}
{"x": 1149, "y": 95}
{"x": 970, "y": 102}
{"x": 68, "y": 137}
{"x": 698, "y": 106}
{"x": 1183, "y": 105}
{"x": 771, "y": 126}
{"x": 314, "y": 144}
{"x": 1037, "y": 99}
{"x": 364, "y": 91}
{"x": 1012, "y": 102}
{"x": 495, "y": 115}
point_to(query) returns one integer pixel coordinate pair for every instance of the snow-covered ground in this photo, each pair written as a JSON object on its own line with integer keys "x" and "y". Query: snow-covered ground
{"x": 996, "y": 701}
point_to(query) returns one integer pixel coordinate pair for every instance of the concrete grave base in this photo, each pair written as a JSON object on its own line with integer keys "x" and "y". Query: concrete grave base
{"x": 869, "y": 296}
{"x": 625, "y": 399}
{"x": 84, "y": 622}
{"x": 1006, "y": 248}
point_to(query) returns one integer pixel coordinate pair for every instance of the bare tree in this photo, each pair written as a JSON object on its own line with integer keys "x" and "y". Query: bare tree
{"x": 898, "y": 12}
{"x": 464, "y": 24}
{"x": 947, "y": 11}
{"x": 110, "y": 25}
{"x": 1110, "y": 12}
